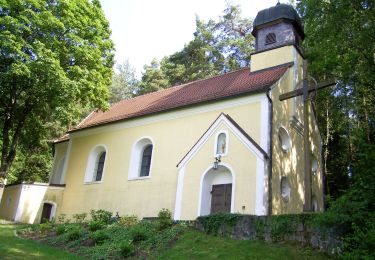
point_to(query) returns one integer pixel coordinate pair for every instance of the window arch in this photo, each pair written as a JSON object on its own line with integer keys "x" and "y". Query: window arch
{"x": 95, "y": 165}
{"x": 284, "y": 139}
{"x": 141, "y": 159}
{"x": 221, "y": 144}
{"x": 270, "y": 38}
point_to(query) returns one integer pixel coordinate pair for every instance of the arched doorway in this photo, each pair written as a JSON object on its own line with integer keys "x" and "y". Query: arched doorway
{"x": 217, "y": 190}
{"x": 47, "y": 212}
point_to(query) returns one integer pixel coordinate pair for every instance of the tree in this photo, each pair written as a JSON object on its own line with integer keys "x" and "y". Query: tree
{"x": 339, "y": 44}
{"x": 56, "y": 58}
{"x": 153, "y": 79}
{"x": 217, "y": 47}
{"x": 123, "y": 82}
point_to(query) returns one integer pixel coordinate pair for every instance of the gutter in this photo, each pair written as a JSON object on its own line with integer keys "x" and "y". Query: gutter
{"x": 270, "y": 118}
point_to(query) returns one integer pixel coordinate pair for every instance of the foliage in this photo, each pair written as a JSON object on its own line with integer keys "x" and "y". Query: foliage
{"x": 79, "y": 218}
{"x": 126, "y": 248}
{"x": 212, "y": 223}
{"x": 60, "y": 229}
{"x": 123, "y": 82}
{"x": 61, "y": 218}
{"x": 74, "y": 233}
{"x": 99, "y": 236}
{"x": 56, "y": 61}
{"x": 95, "y": 225}
{"x": 346, "y": 114}
{"x": 164, "y": 219}
{"x": 139, "y": 232}
{"x": 128, "y": 221}
{"x": 217, "y": 47}
{"x": 44, "y": 227}
{"x": 101, "y": 215}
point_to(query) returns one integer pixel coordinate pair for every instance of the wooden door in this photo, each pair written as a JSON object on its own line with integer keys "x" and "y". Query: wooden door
{"x": 46, "y": 213}
{"x": 221, "y": 197}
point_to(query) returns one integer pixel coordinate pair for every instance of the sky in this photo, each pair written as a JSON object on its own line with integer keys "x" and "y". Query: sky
{"x": 146, "y": 29}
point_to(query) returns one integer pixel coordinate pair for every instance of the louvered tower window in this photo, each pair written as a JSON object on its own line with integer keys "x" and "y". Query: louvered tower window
{"x": 270, "y": 38}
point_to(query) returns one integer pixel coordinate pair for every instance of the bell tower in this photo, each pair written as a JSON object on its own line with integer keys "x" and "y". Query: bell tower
{"x": 274, "y": 28}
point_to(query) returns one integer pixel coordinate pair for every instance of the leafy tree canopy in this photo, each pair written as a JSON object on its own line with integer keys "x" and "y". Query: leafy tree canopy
{"x": 56, "y": 59}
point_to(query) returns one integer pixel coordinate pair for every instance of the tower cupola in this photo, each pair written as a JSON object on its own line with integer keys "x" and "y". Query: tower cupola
{"x": 277, "y": 26}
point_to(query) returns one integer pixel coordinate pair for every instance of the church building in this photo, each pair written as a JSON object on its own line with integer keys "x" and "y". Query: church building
{"x": 221, "y": 144}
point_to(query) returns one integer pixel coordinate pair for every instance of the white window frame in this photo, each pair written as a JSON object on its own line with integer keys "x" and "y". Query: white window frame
{"x": 217, "y": 139}
{"x": 92, "y": 164}
{"x": 136, "y": 158}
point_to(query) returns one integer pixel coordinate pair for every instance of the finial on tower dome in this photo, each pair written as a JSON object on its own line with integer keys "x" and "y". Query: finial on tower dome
{"x": 278, "y": 2}
{"x": 277, "y": 26}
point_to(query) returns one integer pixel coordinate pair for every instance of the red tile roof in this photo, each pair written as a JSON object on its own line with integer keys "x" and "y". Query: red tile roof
{"x": 223, "y": 86}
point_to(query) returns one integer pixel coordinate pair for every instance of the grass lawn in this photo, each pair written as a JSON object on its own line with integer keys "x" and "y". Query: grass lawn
{"x": 197, "y": 245}
{"x": 191, "y": 244}
{"x": 12, "y": 247}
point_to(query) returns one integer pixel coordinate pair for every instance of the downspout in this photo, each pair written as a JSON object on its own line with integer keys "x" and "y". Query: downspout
{"x": 270, "y": 120}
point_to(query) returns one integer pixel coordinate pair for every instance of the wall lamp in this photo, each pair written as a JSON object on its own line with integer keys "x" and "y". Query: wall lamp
{"x": 216, "y": 162}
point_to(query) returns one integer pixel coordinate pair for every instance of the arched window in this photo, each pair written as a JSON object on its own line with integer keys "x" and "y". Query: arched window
{"x": 141, "y": 159}
{"x": 146, "y": 161}
{"x": 221, "y": 144}
{"x": 270, "y": 38}
{"x": 95, "y": 165}
{"x": 284, "y": 139}
{"x": 285, "y": 189}
{"x": 99, "y": 166}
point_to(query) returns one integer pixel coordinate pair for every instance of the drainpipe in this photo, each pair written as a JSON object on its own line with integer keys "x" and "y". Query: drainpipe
{"x": 270, "y": 120}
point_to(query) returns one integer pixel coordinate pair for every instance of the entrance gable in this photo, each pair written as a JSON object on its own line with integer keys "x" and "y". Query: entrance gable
{"x": 238, "y": 132}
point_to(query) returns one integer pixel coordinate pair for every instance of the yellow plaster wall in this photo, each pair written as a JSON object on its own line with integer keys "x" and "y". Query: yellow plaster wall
{"x": 291, "y": 163}
{"x": 8, "y": 212}
{"x": 172, "y": 140}
{"x": 272, "y": 58}
{"x": 60, "y": 152}
{"x": 241, "y": 161}
{"x": 29, "y": 199}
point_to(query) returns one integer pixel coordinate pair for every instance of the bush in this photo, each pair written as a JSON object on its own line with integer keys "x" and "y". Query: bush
{"x": 139, "y": 233}
{"x": 75, "y": 233}
{"x": 95, "y": 225}
{"x": 45, "y": 227}
{"x": 126, "y": 248}
{"x": 79, "y": 218}
{"x": 128, "y": 221}
{"x": 99, "y": 236}
{"x": 164, "y": 219}
{"x": 101, "y": 216}
{"x": 61, "y": 229}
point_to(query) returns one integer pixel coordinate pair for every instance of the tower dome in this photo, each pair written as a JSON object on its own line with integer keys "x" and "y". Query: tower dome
{"x": 276, "y": 26}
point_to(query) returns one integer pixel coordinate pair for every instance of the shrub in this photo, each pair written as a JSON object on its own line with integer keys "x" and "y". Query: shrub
{"x": 95, "y": 225}
{"x": 45, "y": 227}
{"x": 101, "y": 216}
{"x": 61, "y": 229}
{"x": 128, "y": 221}
{"x": 79, "y": 218}
{"x": 75, "y": 233}
{"x": 164, "y": 219}
{"x": 126, "y": 248}
{"x": 99, "y": 236}
{"x": 139, "y": 232}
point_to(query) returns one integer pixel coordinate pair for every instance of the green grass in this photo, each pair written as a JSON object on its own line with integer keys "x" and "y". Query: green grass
{"x": 191, "y": 244}
{"x": 197, "y": 245}
{"x": 13, "y": 247}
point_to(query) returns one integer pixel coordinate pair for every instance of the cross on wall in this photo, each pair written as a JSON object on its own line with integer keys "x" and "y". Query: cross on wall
{"x": 305, "y": 92}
